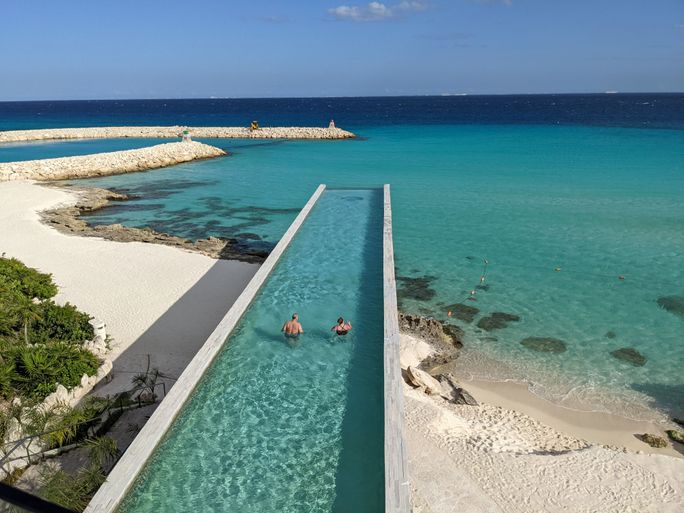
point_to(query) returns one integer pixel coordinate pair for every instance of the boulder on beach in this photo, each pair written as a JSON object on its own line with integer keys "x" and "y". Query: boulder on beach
{"x": 629, "y": 355}
{"x": 674, "y": 304}
{"x": 453, "y": 392}
{"x": 653, "y": 440}
{"x": 544, "y": 344}
{"x": 675, "y": 435}
{"x": 422, "y": 379}
{"x": 463, "y": 312}
{"x": 497, "y": 321}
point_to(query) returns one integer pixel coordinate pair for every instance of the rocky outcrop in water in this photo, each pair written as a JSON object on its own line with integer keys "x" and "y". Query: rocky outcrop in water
{"x": 629, "y": 355}
{"x": 497, "y": 321}
{"x": 465, "y": 313}
{"x": 68, "y": 220}
{"x": 162, "y": 132}
{"x": 674, "y": 304}
{"x": 431, "y": 330}
{"x": 544, "y": 344}
{"x": 417, "y": 288}
{"x": 112, "y": 163}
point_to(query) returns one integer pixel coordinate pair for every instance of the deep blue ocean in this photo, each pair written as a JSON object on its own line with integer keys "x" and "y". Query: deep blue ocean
{"x": 562, "y": 195}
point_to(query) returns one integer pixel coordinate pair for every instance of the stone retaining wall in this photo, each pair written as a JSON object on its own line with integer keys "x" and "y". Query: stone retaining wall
{"x": 102, "y": 164}
{"x": 175, "y": 132}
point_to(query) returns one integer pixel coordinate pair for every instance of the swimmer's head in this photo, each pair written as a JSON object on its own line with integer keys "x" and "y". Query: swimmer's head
{"x": 340, "y": 320}
{"x": 295, "y": 316}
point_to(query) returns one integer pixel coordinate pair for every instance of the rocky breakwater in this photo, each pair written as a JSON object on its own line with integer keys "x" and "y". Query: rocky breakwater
{"x": 113, "y": 163}
{"x": 163, "y": 132}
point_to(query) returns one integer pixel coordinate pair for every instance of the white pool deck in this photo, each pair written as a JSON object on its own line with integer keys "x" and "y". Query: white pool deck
{"x": 397, "y": 488}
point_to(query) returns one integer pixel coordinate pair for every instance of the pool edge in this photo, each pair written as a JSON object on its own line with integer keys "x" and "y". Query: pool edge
{"x": 124, "y": 473}
{"x": 397, "y": 484}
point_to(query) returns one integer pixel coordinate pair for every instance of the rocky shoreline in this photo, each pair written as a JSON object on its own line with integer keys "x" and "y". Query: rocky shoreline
{"x": 111, "y": 163}
{"x": 68, "y": 220}
{"x": 163, "y": 132}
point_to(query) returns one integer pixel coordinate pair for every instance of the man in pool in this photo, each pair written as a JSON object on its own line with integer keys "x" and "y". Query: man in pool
{"x": 292, "y": 328}
{"x": 341, "y": 328}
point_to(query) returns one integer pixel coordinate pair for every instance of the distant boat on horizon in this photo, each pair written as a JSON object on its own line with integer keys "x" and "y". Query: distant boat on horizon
{"x": 611, "y": 91}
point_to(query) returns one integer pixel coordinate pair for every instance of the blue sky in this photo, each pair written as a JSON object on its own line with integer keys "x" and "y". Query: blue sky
{"x": 71, "y": 49}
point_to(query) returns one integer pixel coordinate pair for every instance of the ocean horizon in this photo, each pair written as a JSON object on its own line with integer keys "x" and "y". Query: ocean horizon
{"x": 569, "y": 206}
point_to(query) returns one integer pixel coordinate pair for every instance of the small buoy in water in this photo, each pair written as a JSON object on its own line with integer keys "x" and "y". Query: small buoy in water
{"x": 621, "y": 277}
{"x": 449, "y": 313}
{"x": 482, "y": 279}
{"x": 473, "y": 292}
{"x": 486, "y": 261}
{"x": 557, "y": 269}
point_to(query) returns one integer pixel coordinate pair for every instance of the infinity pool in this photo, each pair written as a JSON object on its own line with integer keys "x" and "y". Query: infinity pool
{"x": 282, "y": 426}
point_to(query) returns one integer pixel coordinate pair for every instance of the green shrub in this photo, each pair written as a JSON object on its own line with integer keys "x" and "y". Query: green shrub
{"x": 29, "y": 282}
{"x": 64, "y": 323}
{"x": 73, "y": 492}
{"x": 39, "y": 368}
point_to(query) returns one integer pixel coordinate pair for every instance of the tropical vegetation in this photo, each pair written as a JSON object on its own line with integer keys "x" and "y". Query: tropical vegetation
{"x": 41, "y": 342}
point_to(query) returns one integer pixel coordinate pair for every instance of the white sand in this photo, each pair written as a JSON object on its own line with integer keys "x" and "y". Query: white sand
{"x": 496, "y": 460}
{"x": 154, "y": 299}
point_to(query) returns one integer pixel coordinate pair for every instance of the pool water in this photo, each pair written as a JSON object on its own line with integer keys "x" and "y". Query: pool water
{"x": 278, "y": 425}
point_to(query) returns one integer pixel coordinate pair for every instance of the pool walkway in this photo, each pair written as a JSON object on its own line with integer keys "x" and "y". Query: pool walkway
{"x": 397, "y": 488}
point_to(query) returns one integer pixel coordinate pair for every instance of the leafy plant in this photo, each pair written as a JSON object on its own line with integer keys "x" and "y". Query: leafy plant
{"x": 73, "y": 492}
{"x": 37, "y": 369}
{"x": 30, "y": 282}
{"x": 102, "y": 449}
{"x": 61, "y": 322}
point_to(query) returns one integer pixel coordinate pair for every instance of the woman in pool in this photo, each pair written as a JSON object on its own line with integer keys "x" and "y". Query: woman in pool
{"x": 341, "y": 328}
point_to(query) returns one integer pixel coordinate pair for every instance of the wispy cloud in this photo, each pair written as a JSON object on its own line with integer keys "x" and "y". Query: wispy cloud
{"x": 376, "y": 11}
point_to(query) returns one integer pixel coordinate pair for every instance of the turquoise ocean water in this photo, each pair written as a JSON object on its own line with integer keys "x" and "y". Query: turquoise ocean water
{"x": 597, "y": 201}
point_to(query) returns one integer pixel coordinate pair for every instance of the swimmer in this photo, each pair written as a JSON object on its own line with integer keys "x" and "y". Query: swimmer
{"x": 292, "y": 328}
{"x": 341, "y": 328}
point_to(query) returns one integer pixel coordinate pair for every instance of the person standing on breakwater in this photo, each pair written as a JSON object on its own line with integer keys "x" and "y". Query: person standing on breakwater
{"x": 341, "y": 328}
{"x": 292, "y": 328}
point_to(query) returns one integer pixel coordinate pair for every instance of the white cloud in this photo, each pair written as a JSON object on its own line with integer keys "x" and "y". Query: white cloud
{"x": 375, "y": 11}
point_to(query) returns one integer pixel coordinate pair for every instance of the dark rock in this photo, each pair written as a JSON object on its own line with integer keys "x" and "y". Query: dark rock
{"x": 675, "y": 435}
{"x": 452, "y": 392}
{"x": 544, "y": 344}
{"x": 497, "y": 321}
{"x": 463, "y": 312}
{"x": 678, "y": 421}
{"x": 68, "y": 220}
{"x": 431, "y": 330}
{"x": 629, "y": 355}
{"x": 455, "y": 333}
{"x": 417, "y": 288}
{"x": 610, "y": 334}
{"x": 653, "y": 440}
{"x": 674, "y": 304}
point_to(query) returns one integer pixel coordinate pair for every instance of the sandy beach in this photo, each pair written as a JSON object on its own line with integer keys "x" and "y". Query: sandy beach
{"x": 155, "y": 300}
{"x": 524, "y": 457}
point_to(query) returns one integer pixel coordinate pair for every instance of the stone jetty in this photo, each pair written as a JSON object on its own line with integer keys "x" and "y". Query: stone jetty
{"x": 112, "y": 163}
{"x": 165, "y": 132}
